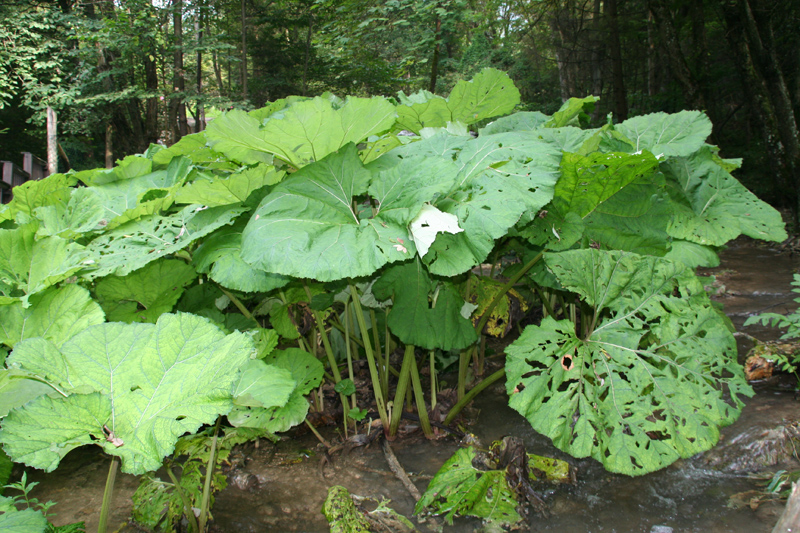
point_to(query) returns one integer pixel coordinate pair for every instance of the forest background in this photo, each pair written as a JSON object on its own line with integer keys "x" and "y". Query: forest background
{"x": 122, "y": 74}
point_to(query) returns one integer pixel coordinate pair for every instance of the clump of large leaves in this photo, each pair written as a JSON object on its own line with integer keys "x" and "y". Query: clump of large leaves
{"x": 653, "y": 380}
{"x": 133, "y": 389}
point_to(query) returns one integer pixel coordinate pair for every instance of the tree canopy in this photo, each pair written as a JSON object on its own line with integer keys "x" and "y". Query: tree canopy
{"x": 127, "y": 73}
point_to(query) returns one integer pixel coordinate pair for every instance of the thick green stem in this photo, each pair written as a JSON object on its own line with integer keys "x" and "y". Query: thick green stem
{"x": 373, "y": 371}
{"x": 105, "y": 507}
{"x": 471, "y": 394}
{"x": 463, "y": 365}
{"x": 383, "y": 364}
{"x": 239, "y": 305}
{"x": 419, "y": 398}
{"x": 187, "y": 505}
{"x": 349, "y": 352}
{"x": 507, "y": 287}
{"x": 433, "y": 378}
{"x": 545, "y": 301}
{"x": 210, "y": 467}
{"x": 399, "y": 395}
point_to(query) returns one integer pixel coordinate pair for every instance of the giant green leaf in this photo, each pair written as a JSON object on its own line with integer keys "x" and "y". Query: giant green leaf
{"x": 28, "y": 265}
{"x": 652, "y": 381}
{"x": 610, "y": 200}
{"x": 668, "y": 135}
{"x": 263, "y": 385}
{"x": 55, "y": 314}
{"x": 500, "y": 177}
{"x": 220, "y": 257}
{"x": 426, "y": 313}
{"x": 146, "y": 194}
{"x": 213, "y": 190}
{"x": 305, "y": 132}
{"x": 490, "y": 93}
{"x": 312, "y": 224}
{"x": 306, "y": 371}
{"x": 82, "y": 213}
{"x": 588, "y": 181}
{"x": 712, "y": 207}
{"x": 521, "y": 121}
{"x": 153, "y": 383}
{"x": 573, "y": 112}
{"x": 144, "y": 295}
{"x": 37, "y": 193}
{"x": 133, "y": 245}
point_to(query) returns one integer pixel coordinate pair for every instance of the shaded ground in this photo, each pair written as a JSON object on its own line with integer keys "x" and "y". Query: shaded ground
{"x": 281, "y": 487}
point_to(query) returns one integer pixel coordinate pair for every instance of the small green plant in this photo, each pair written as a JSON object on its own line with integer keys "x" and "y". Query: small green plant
{"x": 786, "y": 363}
{"x": 24, "y": 514}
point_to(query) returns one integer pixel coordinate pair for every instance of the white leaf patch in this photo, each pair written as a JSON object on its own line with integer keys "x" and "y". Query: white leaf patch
{"x": 428, "y": 223}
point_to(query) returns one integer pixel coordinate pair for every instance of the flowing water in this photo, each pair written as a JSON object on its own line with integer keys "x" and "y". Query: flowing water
{"x": 281, "y": 487}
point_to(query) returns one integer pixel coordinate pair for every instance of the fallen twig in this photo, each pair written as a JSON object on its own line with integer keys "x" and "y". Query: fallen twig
{"x": 394, "y": 465}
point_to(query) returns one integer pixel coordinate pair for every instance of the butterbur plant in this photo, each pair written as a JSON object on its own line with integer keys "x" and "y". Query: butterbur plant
{"x": 229, "y": 274}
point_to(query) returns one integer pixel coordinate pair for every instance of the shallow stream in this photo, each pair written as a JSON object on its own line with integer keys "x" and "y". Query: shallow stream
{"x": 281, "y": 487}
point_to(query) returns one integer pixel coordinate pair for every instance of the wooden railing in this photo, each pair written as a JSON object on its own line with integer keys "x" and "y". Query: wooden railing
{"x": 33, "y": 168}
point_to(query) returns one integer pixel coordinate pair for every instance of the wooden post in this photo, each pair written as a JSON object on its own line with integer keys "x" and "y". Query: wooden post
{"x": 52, "y": 143}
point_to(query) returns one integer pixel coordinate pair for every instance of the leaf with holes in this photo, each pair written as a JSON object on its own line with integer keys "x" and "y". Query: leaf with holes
{"x": 653, "y": 380}
{"x": 29, "y": 265}
{"x": 152, "y": 383}
{"x": 137, "y": 243}
{"x": 460, "y": 489}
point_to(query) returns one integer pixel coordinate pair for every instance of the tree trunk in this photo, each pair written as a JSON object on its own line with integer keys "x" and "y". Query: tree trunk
{"x": 217, "y": 73}
{"x": 244, "y": 52}
{"x": 200, "y": 116}
{"x": 177, "y": 107}
{"x": 763, "y": 83}
{"x": 615, "y": 50}
{"x": 109, "y": 153}
{"x": 52, "y": 141}
{"x": 435, "y": 62}
{"x": 677, "y": 61}
{"x": 308, "y": 53}
{"x": 151, "y": 105}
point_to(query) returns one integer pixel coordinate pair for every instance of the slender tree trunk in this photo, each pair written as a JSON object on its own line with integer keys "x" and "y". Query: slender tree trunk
{"x": 200, "y": 118}
{"x": 151, "y": 105}
{"x": 178, "y": 121}
{"x": 109, "y": 153}
{"x": 435, "y": 62}
{"x": 308, "y": 52}
{"x": 52, "y": 141}
{"x": 615, "y": 50}
{"x": 244, "y": 52}
{"x": 217, "y": 73}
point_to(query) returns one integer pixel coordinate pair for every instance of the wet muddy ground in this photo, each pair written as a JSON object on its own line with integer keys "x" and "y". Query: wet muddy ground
{"x": 281, "y": 487}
